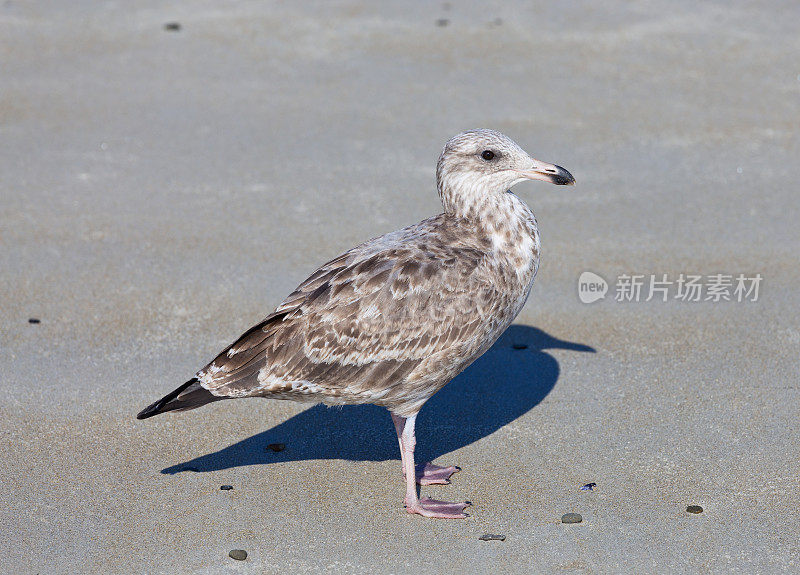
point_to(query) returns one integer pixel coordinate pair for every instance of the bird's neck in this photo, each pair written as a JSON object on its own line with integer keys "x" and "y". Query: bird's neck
{"x": 460, "y": 195}
{"x": 502, "y": 218}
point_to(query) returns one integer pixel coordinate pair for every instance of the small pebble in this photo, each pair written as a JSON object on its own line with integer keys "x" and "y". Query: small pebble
{"x": 276, "y": 447}
{"x": 238, "y": 554}
{"x": 589, "y": 487}
{"x": 694, "y": 509}
{"x": 172, "y": 26}
{"x": 492, "y": 537}
{"x": 519, "y": 346}
{"x": 442, "y": 22}
{"x": 34, "y": 320}
{"x": 226, "y": 487}
{"x": 571, "y": 518}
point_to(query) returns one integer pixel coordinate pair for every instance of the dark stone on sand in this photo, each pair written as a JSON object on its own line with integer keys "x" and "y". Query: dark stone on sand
{"x": 492, "y": 537}
{"x": 226, "y": 487}
{"x": 694, "y": 509}
{"x": 172, "y": 26}
{"x": 238, "y": 554}
{"x": 276, "y": 447}
{"x": 442, "y": 22}
{"x": 34, "y": 320}
{"x": 571, "y": 518}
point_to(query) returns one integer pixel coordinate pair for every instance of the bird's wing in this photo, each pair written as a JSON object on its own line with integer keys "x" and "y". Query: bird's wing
{"x": 360, "y": 323}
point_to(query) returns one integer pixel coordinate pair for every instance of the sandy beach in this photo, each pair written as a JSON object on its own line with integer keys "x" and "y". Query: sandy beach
{"x": 164, "y": 187}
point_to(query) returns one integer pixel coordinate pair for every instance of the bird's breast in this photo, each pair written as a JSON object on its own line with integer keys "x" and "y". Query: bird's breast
{"x": 515, "y": 243}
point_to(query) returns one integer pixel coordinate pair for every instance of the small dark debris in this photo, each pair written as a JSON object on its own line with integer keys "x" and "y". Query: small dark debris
{"x": 571, "y": 518}
{"x": 492, "y": 537}
{"x": 519, "y": 346}
{"x": 226, "y": 487}
{"x": 276, "y": 447}
{"x": 189, "y": 469}
{"x": 589, "y": 487}
{"x": 238, "y": 554}
{"x": 442, "y": 22}
{"x": 34, "y": 320}
{"x": 172, "y": 26}
{"x": 694, "y": 509}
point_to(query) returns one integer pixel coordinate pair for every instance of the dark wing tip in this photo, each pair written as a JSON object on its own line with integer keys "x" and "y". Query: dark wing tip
{"x": 160, "y": 405}
{"x": 149, "y": 411}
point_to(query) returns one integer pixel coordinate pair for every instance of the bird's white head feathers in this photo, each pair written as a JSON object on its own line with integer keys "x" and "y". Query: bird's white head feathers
{"x": 477, "y": 164}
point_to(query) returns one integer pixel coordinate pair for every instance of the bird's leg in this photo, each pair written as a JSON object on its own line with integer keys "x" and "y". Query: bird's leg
{"x": 425, "y": 473}
{"x": 425, "y": 506}
{"x": 399, "y": 425}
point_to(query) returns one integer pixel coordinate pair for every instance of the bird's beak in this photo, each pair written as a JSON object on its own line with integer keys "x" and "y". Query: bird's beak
{"x": 549, "y": 173}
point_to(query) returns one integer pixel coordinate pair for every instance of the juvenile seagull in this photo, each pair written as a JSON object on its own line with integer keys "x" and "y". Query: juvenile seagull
{"x": 391, "y": 321}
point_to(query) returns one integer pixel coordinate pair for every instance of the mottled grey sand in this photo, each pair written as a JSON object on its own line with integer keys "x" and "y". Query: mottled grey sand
{"x": 163, "y": 190}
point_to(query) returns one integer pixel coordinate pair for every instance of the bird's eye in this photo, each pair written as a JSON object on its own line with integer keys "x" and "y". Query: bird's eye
{"x": 487, "y": 155}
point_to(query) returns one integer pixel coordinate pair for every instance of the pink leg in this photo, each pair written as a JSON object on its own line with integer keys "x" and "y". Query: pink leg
{"x": 425, "y": 506}
{"x": 425, "y": 473}
{"x": 430, "y": 474}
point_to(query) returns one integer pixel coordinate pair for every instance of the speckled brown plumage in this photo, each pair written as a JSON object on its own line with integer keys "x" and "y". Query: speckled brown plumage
{"x": 391, "y": 321}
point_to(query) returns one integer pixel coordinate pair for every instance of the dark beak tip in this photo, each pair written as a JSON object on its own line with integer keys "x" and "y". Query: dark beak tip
{"x": 564, "y": 178}
{"x": 564, "y": 181}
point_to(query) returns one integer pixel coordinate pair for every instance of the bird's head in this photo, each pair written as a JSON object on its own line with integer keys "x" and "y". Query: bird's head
{"x": 478, "y": 163}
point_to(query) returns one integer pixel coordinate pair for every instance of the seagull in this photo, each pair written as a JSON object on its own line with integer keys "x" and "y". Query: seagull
{"x": 393, "y": 320}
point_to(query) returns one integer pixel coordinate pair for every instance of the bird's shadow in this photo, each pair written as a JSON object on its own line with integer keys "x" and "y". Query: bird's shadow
{"x": 505, "y": 383}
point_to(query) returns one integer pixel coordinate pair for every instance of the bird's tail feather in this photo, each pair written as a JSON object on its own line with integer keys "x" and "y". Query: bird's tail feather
{"x": 188, "y": 396}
